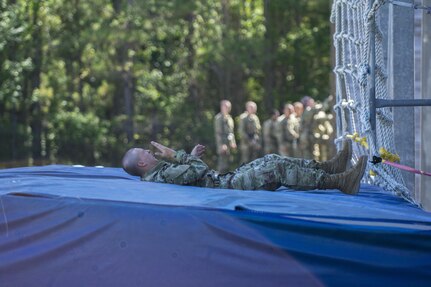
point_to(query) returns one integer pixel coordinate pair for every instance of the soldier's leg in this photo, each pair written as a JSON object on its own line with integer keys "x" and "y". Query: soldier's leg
{"x": 324, "y": 151}
{"x": 255, "y": 175}
{"x": 255, "y": 152}
{"x": 289, "y": 149}
{"x": 295, "y": 150}
{"x": 301, "y": 162}
{"x": 306, "y": 163}
{"x": 300, "y": 178}
{"x": 306, "y": 150}
{"x": 316, "y": 151}
{"x": 251, "y": 164}
{"x": 245, "y": 153}
{"x": 272, "y": 171}
{"x": 223, "y": 163}
{"x": 336, "y": 165}
{"x": 282, "y": 150}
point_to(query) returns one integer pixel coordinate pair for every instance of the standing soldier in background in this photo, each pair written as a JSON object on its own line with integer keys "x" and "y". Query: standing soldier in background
{"x": 287, "y": 133}
{"x": 323, "y": 129}
{"x": 299, "y": 110}
{"x": 249, "y": 133}
{"x": 270, "y": 143}
{"x": 224, "y": 134}
{"x": 306, "y": 136}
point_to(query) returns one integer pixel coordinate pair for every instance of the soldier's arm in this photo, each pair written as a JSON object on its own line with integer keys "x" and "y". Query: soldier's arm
{"x": 182, "y": 174}
{"x": 188, "y": 169}
{"x": 292, "y": 134}
{"x": 231, "y": 136}
{"x": 266, "y": 130}
{"x": 257, "y": 136}
{"x": 258, "y": 126}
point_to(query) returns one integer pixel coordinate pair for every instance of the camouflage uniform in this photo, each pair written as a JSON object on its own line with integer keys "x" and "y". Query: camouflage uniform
{"x": 266, "y": 173}
{"x": 270, "y": 143}
{"x": 249, "y": 132}
{"x": 296, "y": 126}
{"x": 287, "y": 134}
{"x": 306, "y": 134}
{"x": 323, "y": 130}
{"x": 224, "y": 134}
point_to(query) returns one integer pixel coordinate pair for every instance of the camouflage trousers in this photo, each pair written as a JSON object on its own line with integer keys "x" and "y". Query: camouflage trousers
{"x": 249, "y": 152}
{"x": 270, "y": 147}
{"x": 223, "y": 162}
{"x": 272, "y": 171}
{"x": 307, "y": 149}
{"x": 286, "y": 149}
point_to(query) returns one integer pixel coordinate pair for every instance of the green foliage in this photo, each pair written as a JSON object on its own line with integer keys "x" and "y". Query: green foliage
{"x": 81, "y": 81}
{"x": 78, "y": 137}
{"x": 15, "y": 139}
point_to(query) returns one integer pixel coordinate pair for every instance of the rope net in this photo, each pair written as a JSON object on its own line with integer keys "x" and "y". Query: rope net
{"x": 356, "y": 24}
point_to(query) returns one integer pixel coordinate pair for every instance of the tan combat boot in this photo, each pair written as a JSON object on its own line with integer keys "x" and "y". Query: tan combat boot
{"x": 339, "y": 162}
{"x": 347, "y": 182}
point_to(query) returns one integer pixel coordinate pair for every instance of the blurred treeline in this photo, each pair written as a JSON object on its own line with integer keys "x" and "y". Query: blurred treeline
{"x": 81, "y": 81}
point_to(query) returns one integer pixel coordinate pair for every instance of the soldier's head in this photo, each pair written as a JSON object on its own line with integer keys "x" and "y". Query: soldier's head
{"x": 274, "y": 114}
{"x": 251, "y": 107}
{"x": 137, "y": 161}
{"x": 225, "y": 107}
{"x": 307, "y": 101}
{"x": 299, "y": 108}
{"x": 288, "y": 109}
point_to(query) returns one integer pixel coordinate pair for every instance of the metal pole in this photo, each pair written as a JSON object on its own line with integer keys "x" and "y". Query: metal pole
{"x": 381, "y": 103}
{"x": 372, "y": 91}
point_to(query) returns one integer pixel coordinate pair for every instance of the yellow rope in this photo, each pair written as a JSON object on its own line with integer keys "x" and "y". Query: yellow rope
{"x": 361, "y": 140}
{"x": 384, "y": 154}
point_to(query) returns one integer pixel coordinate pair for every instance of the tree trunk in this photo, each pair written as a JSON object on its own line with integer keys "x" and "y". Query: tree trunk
{"x": 226, "y": 72}
{"x": 128, "y": 104}
{"x": 270, "y": 49}
{"x": 36, "y": 121}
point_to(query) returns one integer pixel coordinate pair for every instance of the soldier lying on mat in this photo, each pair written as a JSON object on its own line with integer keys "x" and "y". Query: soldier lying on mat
{"x": 266, "y": 173}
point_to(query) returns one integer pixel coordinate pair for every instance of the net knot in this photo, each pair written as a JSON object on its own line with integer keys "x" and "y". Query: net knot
{"x": 363, "y": 72}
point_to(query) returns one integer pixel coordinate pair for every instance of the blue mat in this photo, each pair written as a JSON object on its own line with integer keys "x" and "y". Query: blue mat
{"x": 83, "y": 226}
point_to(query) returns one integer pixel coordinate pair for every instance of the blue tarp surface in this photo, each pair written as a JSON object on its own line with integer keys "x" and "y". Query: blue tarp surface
{"x": 88, "y": 226}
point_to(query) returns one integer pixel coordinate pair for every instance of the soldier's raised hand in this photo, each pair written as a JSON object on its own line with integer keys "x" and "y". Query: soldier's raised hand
{"x": 198, "y": 150}
{"x": 164, "y": 151}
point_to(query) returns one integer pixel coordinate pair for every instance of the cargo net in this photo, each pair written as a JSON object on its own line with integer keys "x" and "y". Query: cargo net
{"x": 354, "y": 21}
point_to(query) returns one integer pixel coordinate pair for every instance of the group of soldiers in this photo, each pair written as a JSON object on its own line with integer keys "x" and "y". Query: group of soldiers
{"x": 303, "y": 130}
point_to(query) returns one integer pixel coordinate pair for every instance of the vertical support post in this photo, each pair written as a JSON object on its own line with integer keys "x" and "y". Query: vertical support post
{"x": 372, "y": 60}
{"x": 425, "y": 138}
{"x": 401, "y": 84}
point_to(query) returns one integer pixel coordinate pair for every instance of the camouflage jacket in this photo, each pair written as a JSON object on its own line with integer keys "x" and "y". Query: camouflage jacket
{"x": 270, "y": 136}
{"x": 288, "y": 129}
{"x": 185, "y": 170}
{"x": 224, "y": 130}
{"x": 249, "y": 128}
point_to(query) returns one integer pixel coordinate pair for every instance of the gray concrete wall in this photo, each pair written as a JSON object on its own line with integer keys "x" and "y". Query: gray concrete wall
{"x": 401, "y": 83}
{"x": 409, "y": 67}
{"x": 424, "y": 190}
{"x": 407, "y": 52}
